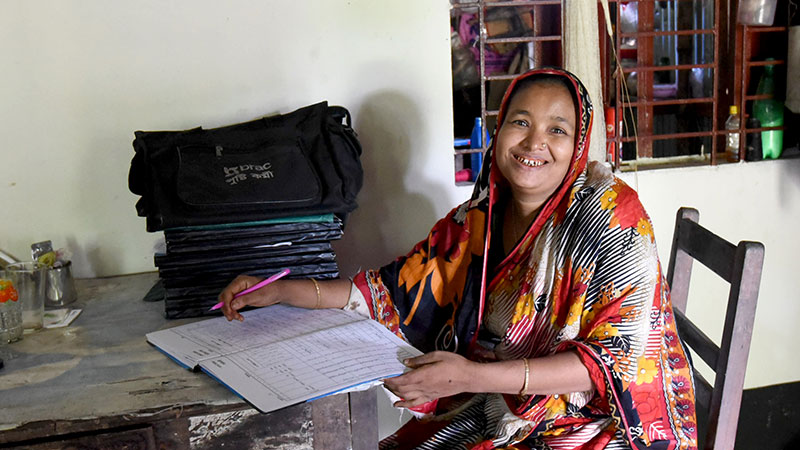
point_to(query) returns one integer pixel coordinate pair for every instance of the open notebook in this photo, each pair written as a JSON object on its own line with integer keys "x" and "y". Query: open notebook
{"x": 281, "y": 355}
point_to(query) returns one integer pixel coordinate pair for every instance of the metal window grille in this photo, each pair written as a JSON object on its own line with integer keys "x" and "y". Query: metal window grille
{"x": 511, "y": 37}
{"x": 662, "y": 82}
{"x": 687, "y": 60}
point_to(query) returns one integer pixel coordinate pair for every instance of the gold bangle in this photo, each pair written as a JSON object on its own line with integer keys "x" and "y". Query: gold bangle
{"x": 319, "y": 297}
{"x": 527, "y": 373}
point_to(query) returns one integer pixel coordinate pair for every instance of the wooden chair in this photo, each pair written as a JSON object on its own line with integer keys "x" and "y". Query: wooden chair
{"x": 740, "y": 265}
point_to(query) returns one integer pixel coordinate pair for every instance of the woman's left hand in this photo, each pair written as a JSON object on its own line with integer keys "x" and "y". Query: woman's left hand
{"x": 434, "y": 375}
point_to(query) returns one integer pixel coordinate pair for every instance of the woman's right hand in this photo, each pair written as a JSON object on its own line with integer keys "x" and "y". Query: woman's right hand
{"x": 267, "y": 295}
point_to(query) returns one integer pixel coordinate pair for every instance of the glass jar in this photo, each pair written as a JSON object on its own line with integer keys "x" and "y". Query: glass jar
{"x": 10, "y": 312}
{"x": 29, "y": 280}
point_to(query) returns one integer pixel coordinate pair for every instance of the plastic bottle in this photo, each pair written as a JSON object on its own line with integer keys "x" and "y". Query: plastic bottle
{"x": 769, "y": 112}
{"x": 477, "y": 140}
{"x": 732, "y": 141}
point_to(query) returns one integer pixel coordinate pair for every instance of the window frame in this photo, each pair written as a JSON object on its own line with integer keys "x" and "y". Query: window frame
{"x": 537, "y": 39}
{"x": 731, "y": 65}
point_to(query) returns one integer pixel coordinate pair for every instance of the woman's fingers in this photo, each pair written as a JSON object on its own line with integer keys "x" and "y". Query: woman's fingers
{"x": 433, "y": 375}
{"x": 414, "y": 384}
{"x": 427, "y": 358}
{"x": 401, "y": 386}
{"x": 410, "y": 395}
{"x": 231, "y": 305}
{"x": 418, "y": 361}
{"x": 411, "y": 400}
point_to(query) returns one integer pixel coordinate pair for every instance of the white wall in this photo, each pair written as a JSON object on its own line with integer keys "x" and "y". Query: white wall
{"x": 747, "y": 201}
{"x": 78, "y": 77}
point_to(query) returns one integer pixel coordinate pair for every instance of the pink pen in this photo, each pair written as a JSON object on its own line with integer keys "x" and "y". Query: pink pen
{"x": 255, "y": 287}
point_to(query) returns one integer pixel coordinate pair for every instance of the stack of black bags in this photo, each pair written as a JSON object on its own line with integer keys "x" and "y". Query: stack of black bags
{"x": 200, "y": 261}
{"x": 252, "y": 198}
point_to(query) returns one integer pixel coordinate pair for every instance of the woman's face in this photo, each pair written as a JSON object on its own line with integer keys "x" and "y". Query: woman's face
{"x": 535, "y": 143}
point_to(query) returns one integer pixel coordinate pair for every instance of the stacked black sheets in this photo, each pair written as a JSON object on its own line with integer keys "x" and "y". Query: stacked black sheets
{"x": 200, "y": 261}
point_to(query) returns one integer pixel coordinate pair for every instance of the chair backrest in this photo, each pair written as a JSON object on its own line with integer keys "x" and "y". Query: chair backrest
{"x": 740, "y": 265}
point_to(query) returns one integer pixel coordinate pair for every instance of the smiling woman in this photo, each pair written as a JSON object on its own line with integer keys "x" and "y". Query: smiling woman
{"x": 535, "y": 145}
{"x": 539, "y": 302}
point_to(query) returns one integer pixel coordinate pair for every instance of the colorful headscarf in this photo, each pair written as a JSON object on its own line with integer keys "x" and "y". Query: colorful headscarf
{"x": 585, "y": 276}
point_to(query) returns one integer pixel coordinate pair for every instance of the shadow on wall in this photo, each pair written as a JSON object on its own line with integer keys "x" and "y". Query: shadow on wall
{"x": 98, "y": 254}
{"x": 390, "y": 218}
{"x": 788, "y": 177}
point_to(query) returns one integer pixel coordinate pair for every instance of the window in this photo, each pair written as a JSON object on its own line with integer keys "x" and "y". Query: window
{"x": 492, "y": 42}
{"x": 671, "y": 71}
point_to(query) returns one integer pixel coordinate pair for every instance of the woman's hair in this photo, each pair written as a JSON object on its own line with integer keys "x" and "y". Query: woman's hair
{"x": 544, "y": 80}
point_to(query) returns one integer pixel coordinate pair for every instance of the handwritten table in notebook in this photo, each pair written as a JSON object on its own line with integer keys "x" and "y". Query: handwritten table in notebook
{"x": 98, "y": 384}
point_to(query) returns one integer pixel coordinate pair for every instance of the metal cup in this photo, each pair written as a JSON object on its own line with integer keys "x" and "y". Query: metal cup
{"x": 60, "y": 289}
{"x": 757, "y": 12}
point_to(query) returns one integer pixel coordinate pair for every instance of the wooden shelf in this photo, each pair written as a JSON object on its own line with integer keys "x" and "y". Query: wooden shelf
{"x": 749, "y": 40}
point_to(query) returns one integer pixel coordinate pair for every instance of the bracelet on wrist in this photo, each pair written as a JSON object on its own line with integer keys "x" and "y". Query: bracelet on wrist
{"x": 527, "y": 376}
{"x": 319, "y": 297}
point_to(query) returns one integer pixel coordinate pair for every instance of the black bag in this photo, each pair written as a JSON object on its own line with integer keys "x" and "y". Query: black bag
{"x": 301, "y": 163}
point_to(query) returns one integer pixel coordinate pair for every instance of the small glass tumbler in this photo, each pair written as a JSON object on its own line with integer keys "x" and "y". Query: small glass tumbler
{"x": 29, "y": 279}
{"x": 10, "y": 312}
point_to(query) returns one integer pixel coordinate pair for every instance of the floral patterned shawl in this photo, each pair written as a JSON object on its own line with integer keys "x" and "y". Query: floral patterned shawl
{"x": 585, "y": 276}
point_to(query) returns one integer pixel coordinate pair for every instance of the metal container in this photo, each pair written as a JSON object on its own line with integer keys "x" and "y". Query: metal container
{"x": 757, "y": 12}
{"x": 60, "y": 290}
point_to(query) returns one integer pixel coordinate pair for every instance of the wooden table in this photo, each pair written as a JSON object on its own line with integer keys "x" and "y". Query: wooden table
{"x": 99, "y": 384}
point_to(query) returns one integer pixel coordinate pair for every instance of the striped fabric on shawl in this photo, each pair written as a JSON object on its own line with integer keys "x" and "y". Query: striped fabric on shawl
{"x": 585, "y": 276}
